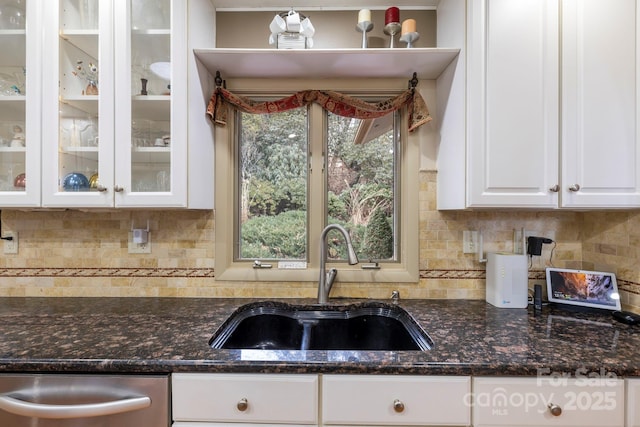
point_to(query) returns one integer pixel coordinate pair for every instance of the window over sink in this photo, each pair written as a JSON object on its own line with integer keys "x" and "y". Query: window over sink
{"x": 281, "y": 178}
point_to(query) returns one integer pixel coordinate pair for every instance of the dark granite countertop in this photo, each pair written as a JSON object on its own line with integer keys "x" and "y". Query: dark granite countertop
{"x": 161, "y": 335}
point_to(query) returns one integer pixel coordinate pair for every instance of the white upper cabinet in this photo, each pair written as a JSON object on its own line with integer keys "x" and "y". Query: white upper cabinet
{"x": 551, "y": 108}
{"x": 512, "y": 128}
{"x": 20, "y": 95}
{"x": 600, "y": 155}
{"x": 115, "y": 104}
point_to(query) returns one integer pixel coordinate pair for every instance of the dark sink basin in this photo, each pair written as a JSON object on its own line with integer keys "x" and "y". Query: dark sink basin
{"x": 373, "y": 326}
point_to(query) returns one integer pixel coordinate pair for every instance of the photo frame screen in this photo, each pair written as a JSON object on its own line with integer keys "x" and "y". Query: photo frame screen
{"x": 595, "y": 289}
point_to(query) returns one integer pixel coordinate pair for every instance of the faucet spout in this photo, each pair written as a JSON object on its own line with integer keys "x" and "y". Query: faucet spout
{"x": 325, "y": 283}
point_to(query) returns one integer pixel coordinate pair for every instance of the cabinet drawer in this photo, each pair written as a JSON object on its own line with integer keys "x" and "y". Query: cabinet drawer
{"x": 245, "y": 398}
{"x": 584, "y": 402}
{"x": 388, "y": 400}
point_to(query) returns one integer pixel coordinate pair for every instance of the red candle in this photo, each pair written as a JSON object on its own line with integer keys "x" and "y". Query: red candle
{"x": 391, "y": 15}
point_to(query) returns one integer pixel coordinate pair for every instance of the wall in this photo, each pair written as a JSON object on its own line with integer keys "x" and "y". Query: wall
{"x": 74, "y": 253}
{"x": 333, "y": 29}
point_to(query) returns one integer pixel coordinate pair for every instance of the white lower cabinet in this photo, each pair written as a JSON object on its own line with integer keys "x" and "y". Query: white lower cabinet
{"x": 395, "y": 400}
{"x": 583, "y": 401}
{"x": 278, "y": 399}
{"x": 633, "y": 402}
{"x": 217, "y": 399}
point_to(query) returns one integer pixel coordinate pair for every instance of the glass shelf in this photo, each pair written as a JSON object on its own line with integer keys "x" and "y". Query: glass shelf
{"x": 84, "y": 40}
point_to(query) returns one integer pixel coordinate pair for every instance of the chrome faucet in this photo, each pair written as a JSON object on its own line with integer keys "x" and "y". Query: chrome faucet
{"x": 327, "y": 277}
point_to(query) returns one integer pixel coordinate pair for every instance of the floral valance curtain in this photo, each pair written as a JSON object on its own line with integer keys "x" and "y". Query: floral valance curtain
{"x": 335, "y": 102}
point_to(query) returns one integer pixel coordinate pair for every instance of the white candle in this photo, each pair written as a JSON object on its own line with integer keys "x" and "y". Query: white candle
{"x": 364, "y": 16}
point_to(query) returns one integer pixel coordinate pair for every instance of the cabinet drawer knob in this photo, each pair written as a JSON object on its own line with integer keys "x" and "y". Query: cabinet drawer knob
{"x": 398, "y": 406}
{"x": 555, "y": 410}
{"x": 243, "y": 404}
{"x": 555, "y": 188}
{"x": 574, "y": 187}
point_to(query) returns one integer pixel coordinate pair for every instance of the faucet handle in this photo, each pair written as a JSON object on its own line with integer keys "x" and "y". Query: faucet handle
{"x": 395, "y": 296}
{"x": 331, "y": 276}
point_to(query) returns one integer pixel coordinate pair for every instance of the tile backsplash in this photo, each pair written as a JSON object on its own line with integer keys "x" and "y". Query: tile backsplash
{"x": 79, "y": 253}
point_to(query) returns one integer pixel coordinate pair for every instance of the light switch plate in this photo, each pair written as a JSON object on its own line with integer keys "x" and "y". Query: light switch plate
{"x": 469, "y": 242}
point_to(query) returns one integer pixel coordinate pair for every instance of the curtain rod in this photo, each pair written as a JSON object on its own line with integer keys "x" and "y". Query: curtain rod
{"x": 413, "y": 82}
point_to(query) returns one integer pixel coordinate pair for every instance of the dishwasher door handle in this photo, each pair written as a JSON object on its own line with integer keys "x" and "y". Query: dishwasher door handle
{"x": 41, "y": 410}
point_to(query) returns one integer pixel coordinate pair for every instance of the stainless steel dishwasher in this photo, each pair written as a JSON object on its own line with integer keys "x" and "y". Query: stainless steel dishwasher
{"x": 57, "y": 400}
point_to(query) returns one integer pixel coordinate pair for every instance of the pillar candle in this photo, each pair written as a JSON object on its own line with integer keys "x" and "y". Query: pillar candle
{"x": 391, "y": 15}
{"x": 408, "y": 26}
{"x": 364, "y": 16}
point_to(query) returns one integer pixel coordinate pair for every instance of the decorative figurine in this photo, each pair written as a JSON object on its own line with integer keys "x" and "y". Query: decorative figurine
{"x": 18, "y": 137}
{"x": 90, "y": 74}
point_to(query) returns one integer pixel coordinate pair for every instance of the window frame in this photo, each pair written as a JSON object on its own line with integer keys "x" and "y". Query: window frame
{"x": 227, "y": 268}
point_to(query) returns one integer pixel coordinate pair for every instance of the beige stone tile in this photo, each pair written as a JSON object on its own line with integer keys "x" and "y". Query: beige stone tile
{"x": 185, "y": 239}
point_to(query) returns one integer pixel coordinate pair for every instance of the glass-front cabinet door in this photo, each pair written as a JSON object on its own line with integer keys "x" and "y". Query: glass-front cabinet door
{"x": 109, "y": 96}
{"x": 78, "y": 115}
{"x": 20, "y": 103}
{"x": 151, "y": 102}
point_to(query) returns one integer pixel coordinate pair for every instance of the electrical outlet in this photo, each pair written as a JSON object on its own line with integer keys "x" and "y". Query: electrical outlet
{"x": 469, "y": 242}
{"x": 11, "y": 246}
{"x": 520, "y": 236}
{"x": 139, "y": 248}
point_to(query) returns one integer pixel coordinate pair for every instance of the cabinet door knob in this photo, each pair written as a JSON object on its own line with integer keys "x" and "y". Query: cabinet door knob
{"x": 555, "y": 410}
{"x": 575, "y": 187}
{"x": 118, "y": 189}
{"x": 398, "y": 406}
{"x": 243, "y": 404}
{"x": 101, "y": 188}
{"x": 555, "y": 188}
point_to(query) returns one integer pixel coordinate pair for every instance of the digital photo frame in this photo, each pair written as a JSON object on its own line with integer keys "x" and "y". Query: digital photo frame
{"x": 583, "y": 288}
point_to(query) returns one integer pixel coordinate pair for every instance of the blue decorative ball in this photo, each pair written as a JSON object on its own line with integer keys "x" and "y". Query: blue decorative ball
{"x": 75, "y": 182}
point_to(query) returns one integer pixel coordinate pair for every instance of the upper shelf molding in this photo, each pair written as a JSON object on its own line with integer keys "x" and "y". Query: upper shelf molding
{"x": 307, "y": 5}
{"x": 428, "y": 63}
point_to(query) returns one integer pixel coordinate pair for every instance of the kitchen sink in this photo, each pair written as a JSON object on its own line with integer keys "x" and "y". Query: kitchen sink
{"x": 367, "y": 326}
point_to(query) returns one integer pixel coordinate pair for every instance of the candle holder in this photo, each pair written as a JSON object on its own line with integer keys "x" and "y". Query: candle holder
{"x": 391, "y": 29}
{"x": 409, "y": 38}
{"x": 364, "y": 27}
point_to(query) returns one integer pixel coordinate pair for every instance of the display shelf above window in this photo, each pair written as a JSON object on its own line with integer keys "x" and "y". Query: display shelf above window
{"x": 320, "y": 5}
{"x": 428, "y": 63}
